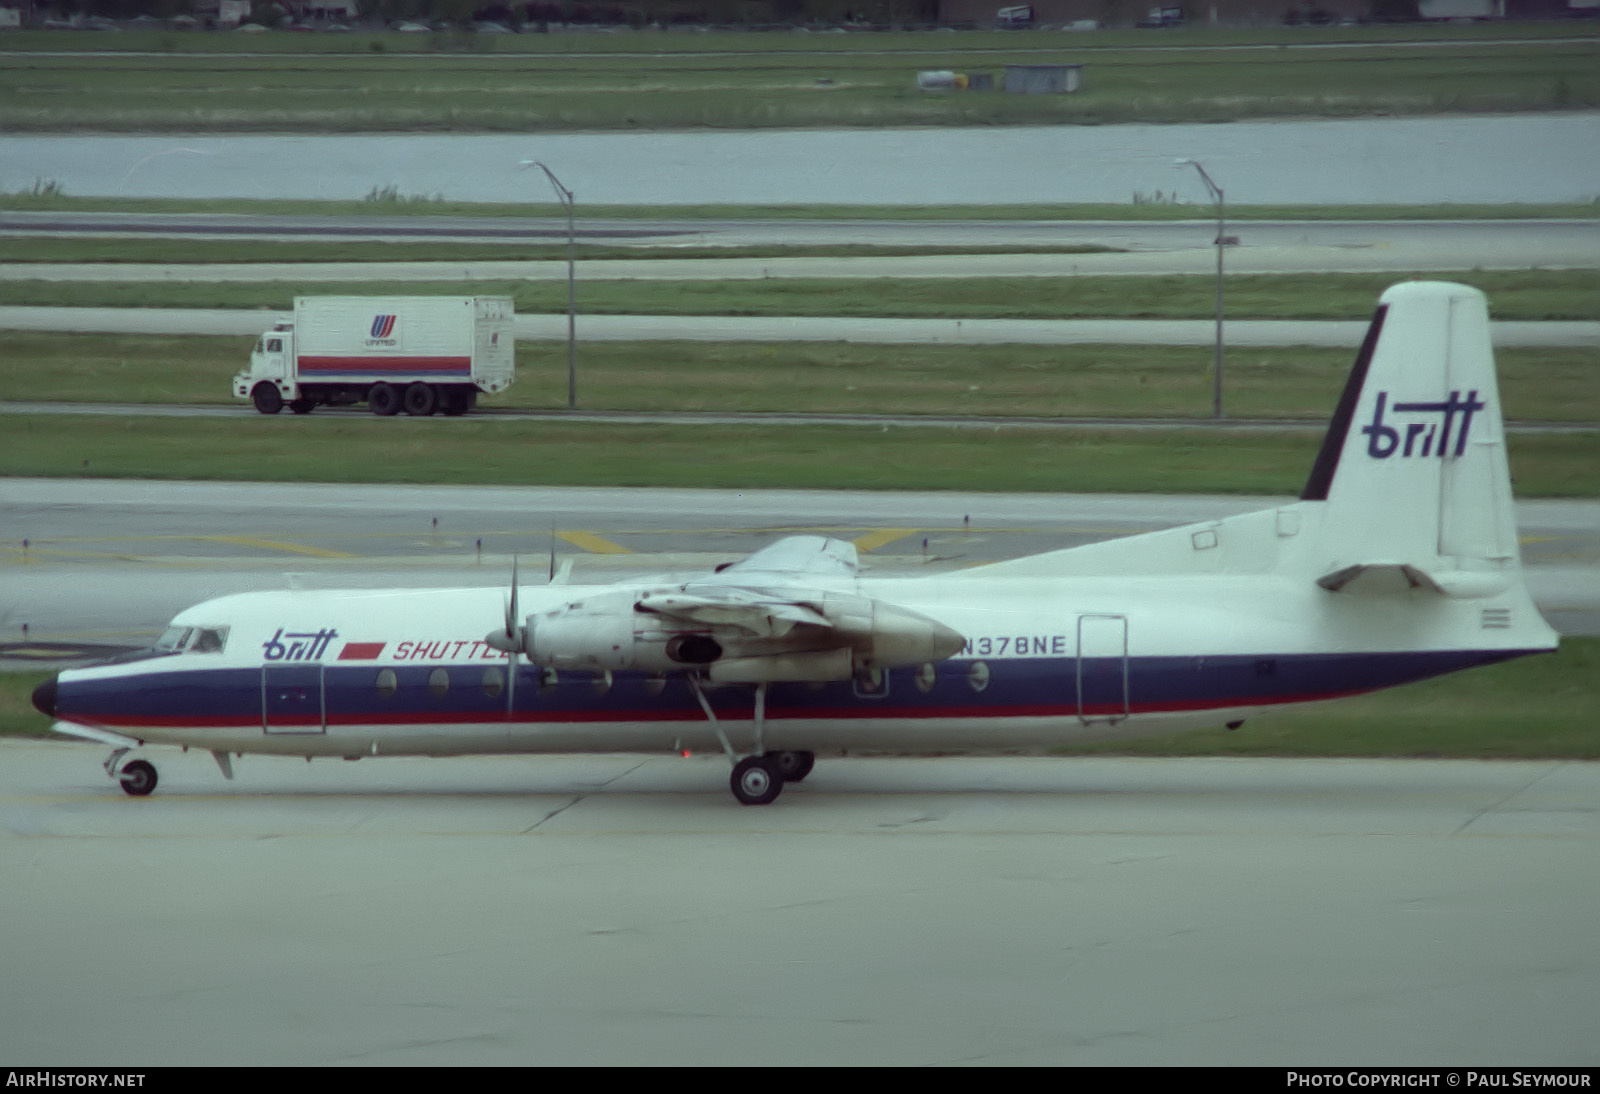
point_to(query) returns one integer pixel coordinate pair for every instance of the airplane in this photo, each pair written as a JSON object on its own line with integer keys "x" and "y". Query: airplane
{"x": 1399, "y": 562}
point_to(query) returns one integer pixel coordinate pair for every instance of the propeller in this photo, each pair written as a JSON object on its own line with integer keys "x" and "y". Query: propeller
{"x": 510, "y": 639}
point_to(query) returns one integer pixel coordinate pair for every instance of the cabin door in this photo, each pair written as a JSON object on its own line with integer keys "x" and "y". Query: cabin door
{"x": 1102, "y": 668}
{"x": 291, "y": 699}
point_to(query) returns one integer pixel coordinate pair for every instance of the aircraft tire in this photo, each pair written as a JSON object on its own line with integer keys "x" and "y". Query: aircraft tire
{"x": 138, "y": 778}
{"x": 383, "y": 400}
{"x": 793, "y": 766}
{"x": 267, "y": 398}
{"x": 756, "y": 781}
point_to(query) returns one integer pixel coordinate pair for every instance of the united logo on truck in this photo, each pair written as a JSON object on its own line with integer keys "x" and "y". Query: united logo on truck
{"x": 382, "y": 326}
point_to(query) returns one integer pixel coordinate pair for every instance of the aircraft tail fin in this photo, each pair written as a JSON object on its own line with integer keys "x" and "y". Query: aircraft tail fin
{"x": 1412, "y": 471}
{"x": 1410, "y": 493}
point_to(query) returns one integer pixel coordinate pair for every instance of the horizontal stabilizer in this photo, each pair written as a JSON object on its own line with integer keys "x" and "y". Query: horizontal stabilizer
{"x": 1393, "y": 577}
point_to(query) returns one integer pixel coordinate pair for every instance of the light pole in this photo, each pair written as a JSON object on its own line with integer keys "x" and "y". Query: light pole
{"x": 572, "y": 295}
{"x": 1222, "y": 241}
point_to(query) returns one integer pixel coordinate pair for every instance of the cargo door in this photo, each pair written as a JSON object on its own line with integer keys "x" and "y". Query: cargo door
{"x": 292, "y": 699}
{"x": 1102, "y": 668}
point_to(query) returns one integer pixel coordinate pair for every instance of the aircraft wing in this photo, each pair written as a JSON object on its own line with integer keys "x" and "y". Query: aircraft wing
{"x": 795, "y": 556}
{"x": 746, "y": 609}
{"x": 791, "y": 611}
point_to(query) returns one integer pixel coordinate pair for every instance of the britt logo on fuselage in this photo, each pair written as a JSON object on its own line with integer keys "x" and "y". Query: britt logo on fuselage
{"x": 1429, "y": 437}
{"x": 298, "y": 645}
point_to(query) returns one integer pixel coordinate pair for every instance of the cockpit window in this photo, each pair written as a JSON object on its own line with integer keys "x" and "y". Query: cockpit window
{"x": 210, "y": 640}
{"x": 193, "y": 639}
{"x": 174, "y": 638}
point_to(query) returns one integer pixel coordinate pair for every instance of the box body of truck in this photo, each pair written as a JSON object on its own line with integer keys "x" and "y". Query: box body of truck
{"x": 419, "y": 354}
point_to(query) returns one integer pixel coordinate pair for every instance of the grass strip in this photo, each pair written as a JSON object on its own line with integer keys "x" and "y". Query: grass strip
{"x": 191, "y": 251}
{"x": 351, "y": 448}
{"x": 1539, "y": 707}
{"x": 733, "y": 40}
{"x": 736, "y": 40}
{"x": 1513, "y": 294}
{"x": 1536, "y": 384}
{"x": 822, "y": 86}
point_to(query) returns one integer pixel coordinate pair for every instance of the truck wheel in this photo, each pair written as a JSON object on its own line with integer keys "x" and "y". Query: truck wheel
{"x": 302, "y": 406}
{"x": 266, "y": 398}
{"x": 383, "y": 400}
{"x": 420, "y": 400}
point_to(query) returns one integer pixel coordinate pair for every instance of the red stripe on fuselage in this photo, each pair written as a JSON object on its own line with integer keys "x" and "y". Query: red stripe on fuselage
{"x": 361, "y": 651}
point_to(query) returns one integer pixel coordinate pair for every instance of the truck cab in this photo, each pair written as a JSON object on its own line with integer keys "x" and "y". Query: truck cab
{"x": 269, "y": 381}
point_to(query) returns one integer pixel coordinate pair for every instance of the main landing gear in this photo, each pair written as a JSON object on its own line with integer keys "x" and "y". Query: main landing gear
{"x": 757, "y": 779}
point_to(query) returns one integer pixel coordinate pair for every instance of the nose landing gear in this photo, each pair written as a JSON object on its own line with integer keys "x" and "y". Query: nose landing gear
{"x": 138, "y": 778}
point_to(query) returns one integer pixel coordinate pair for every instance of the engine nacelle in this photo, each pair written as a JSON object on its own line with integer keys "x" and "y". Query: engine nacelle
{"x": 596, "y": 639}
{"x": 884, "y": 636}
{"x": 837, "y": 636}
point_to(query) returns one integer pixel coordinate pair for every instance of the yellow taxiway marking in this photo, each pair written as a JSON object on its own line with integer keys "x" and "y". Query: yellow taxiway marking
{"x": 278, "y": 545}
{"x": 879, "y": 537}
{"x": 595, "y": 545}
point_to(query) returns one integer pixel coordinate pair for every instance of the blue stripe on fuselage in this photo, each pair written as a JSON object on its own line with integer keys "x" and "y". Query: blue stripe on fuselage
{"x": 1024, "y": 687}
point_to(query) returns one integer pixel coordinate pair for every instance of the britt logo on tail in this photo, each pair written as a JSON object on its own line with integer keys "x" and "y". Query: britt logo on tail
{"x": 1384, "y": 440}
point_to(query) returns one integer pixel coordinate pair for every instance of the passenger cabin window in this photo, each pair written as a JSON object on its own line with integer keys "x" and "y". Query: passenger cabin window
{"x": 274, "y": 345}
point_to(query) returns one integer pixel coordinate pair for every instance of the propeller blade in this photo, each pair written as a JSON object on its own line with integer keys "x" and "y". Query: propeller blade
{"x": 509, "y": 640}
{"x": 511, "y": 607}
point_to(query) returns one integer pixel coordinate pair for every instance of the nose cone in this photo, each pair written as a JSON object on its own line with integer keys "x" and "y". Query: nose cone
{"x": 44, "y": 697}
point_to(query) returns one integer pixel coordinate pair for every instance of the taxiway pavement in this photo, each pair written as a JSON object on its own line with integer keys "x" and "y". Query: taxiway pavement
{"x": 625, "y": 910}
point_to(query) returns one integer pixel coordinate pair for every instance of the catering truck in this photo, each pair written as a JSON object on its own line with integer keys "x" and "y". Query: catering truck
{"x": 419, "y": 354}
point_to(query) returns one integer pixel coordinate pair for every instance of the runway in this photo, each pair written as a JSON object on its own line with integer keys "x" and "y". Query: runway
{"x": 624, "y": 910}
